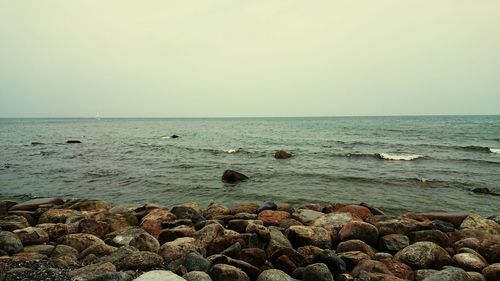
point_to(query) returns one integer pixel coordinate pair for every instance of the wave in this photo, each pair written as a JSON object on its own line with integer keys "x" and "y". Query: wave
{"x": 495, "y": 150}
{"x": 399, "y": 157}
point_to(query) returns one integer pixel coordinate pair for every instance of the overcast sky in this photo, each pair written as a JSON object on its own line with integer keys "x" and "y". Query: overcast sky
{"x": 248, "y": 58}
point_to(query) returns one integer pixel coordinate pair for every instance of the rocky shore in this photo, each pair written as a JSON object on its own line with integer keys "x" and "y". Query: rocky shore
{"x": 54, "y": 239}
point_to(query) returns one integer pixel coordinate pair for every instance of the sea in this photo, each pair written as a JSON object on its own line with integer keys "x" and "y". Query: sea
{"x": 397, "y": 163}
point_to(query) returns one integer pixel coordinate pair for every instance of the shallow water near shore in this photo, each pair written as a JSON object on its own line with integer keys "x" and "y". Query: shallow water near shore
{"x": 394, "y": 163}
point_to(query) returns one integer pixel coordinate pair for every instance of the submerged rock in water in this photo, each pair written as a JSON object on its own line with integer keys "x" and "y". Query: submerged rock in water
{"x": 73, "y": 141}
{"x": 281, "y": 154}
{"x": 36, "y": 143}
{"x": 231, "y": 176}
{"x": 174, "y": 136}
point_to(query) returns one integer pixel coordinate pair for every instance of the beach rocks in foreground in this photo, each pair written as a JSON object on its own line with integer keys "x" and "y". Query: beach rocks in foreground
{"x": 54, "y": 239}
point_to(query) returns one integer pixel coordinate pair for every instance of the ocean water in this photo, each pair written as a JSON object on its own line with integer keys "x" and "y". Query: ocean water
{"x": 394, "y": 163}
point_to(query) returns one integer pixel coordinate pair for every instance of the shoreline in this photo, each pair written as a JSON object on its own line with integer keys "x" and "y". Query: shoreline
{"x": 82, "y": 239}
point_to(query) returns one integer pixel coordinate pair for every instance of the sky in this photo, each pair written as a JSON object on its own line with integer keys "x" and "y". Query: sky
{"x": 248, "y": 58}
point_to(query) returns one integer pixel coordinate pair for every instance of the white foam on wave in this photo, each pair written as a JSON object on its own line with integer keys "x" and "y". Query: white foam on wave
{"x": 495, "y": 150}
{"x": 231, "y": 151}
{"x": 404, "y": 157}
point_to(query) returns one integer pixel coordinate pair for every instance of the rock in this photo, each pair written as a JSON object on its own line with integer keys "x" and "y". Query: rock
{"x": 230, "y": 176}
{"x": 119, "y": 254}
{"x": 317, "y": 272}
{"x": 178, "y": 248}
{"x": 253, "y": 256}
{"x": 239, "y": 225}
{"x": 435, "y": 236}
{"x": 41, "y": 249}
{"x": 145, "y": 242}
{"x": 28, "y": 257}
{"x": 98, "y": 250}
{"x": 352, "y": 258}
{"x": 370, "y": 266}
{"x": 63, "y": 250}
{"x": 381, "y": 255}
{"x": 57, "y": 215}
{"x": 312, "y": 206}
{"x": 358, "y": 211}
{"x": 469, "y": 262}
{"x": 274, "y": 275}
{"x": 443, "y": 226}
{"x": 287, "y": 207}
{"x": 286, "y": 223}
{"x": 232, "y": 251}
{"x": 64, "y": 261}
{"x": 176, "y": 223}
{"x": 34, "y": 204}
{"x": 455, "y": 218}
{"x": 80, "y": 241}
{"x": 184, "y": 212}
{"x": 252, "y": 271}
{"x": 5, "y": 205}
{"x": 309, "y": 235}
{"x": 373, "y": 210}
{"x": 73, "y": 141}
{"x": 193, "y": 261}
{"x": 113, "y": 276}
{"x": 140, "y": 260}
{"x": 306, "y": 216}
{"x": 393, "y": 243}
{"x": 423, "y": 255}
{"x": 492, "y": 272}
{"x": 88, "y": 205}
{"x": 92, "y": 270}
{"x": 421, "y": 274}
{"x": 483, "y": 190}
{"x": 10, "y": 243}
{"x": 196, "y": 276}
{"x": 471, "y": 242}
{"x": 94, "y": 227}
{"x": 476, "y": 276}
{"x": 11, "y": 223}
{"x": 207, "y": 234}
{"x": 219, "y": 244}
{"x": 278, "y": 240}
{"x": 153, "y": 220}
{"x": 159, "y": 275}
{"x": 262, "y": 232}
{"x": 475, "y": 221}
{"x": 215, "y": 210}
{"x": 167, "y": 235}
{"x": 359, "y": 230}
{"x": 123, "y": 237}
{"x": 449, "y": 274}
{"x": 334, "y": 220}
{"x": 334, "y": 263}
{"x": 3, "y": 271}
{"x": 32, "y": 236}
{"x": 225, "y": 272}
{"x": 399, "y": 269}
{"x": 269, "y": 217}
{"x": 355, "y": 245}
{"x": 121, "y": 221}
{"x": 399, "y": 225}
{"x": 244, "y": 208}
{"x": 281, "y": 154}
{"x": 267, "y": 206}
{"x": 55, "y": 230}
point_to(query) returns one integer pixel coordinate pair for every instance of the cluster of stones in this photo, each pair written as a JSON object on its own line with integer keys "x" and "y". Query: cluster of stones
{"x": 92, "y": 240}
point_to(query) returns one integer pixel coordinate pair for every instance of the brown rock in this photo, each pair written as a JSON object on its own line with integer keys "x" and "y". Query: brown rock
{"x": 492, "y": 272}
{"x": 244, "y": 208}
{"x": 98, "y": 250}
{"x": 309, "y": 235}
{"x": 262, "y": 232}
{"x": 32, "y": 236}
{"x": 399, "y": 269}
{"x": 227, "y": 272}
{"x": 281, "y": 154}
{"x": 119, "y": 221}
{"x": 219, "y": 244}
{"x": 57, "y": 215}
{"x": 215, "y": 210}
{"x": 140, "y": 260}
{"x": 400, "y": 226}
{"x": 63, "y": 250}
{"x": 89, "y": 271}
{"x": 80, "y": 241}
{"x": 152, "y": 221}
{"x": 311, "y": 206}
{"x": 471, "y": 242}
{"x": 230, "y": 176}
{"x": 254, "y": 256}
{"x": 64, "y": 261}
{"x": 454, "y": 218}
{"x": 355, "y": 245}
{"x": 352, "y": 258}
{"x": 393, "y": 243}
{"x": 278, "y": 240}
{"x": 11, "y": 223}
{"x": 359, "y": 230}
{"x": 145, "y": 242}
{"x": 424, "y": 255}
{"x": 435, "y": 236}
{"x": 55, "y": 230}
{"x": 239, "y": 225}
{"x": 469, "y": 262}
{"x": 88, "y": 205}
{"x": 269, "y": 217}
{"x": 356, "y": 210}
{"x": 34, "y": 204}
{"x": 94, "y": 227}
{"x": 286, "y": 223}
{"x": 307, "y": 216}
{"x": 252, "y": 271}
{"x": 178, "y": 248}
{"x": 10, "y": 243}
{"x": 41, "y": 249}
{"x": 475, "y": 221}
{"x": 370, "y": 266}
{"x": 167, "y": 235}
{"x": 285, "y": 263}
{"x": 309, "y": 252}
{"x": 28, "y": 257}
